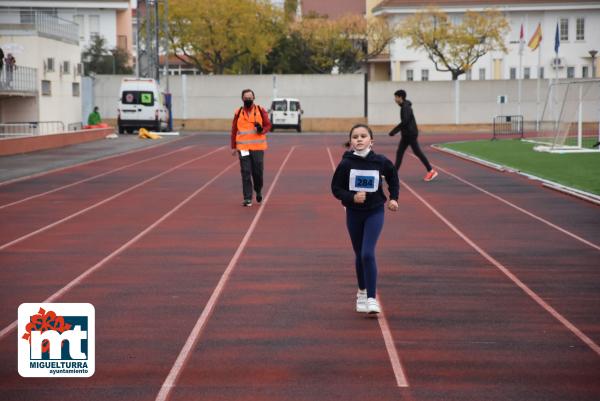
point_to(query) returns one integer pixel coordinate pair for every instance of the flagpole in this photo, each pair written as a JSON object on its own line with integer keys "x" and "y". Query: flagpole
{"x": 539, "y": 80}
{"x": 520, "y": 77}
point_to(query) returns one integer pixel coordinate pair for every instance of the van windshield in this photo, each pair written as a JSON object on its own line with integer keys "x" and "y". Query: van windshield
{"x": 138, "y": 97}
{"x": 280, "y": 105}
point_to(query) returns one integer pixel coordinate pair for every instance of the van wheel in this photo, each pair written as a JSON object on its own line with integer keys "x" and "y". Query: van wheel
{"x": 121, "y": 129}
{"x": 299, "y": 127}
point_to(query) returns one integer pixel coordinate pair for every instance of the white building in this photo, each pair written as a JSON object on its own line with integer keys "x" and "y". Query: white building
{"x": 111, "y": 19}
{"x": 579, "y": 29}
{"x": 45, "y": 84}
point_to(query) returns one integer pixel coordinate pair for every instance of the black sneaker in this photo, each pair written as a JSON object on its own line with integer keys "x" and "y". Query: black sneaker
{"x": 247, "y": 203}
{"x": 258, "y": 197}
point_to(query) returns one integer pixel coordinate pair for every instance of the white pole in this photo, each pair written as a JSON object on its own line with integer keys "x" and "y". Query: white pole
{"x": 580, "y": 119}
{"x": 539, "y": 80}
{"x": 184, "y": 97}
{"x": 520, "y": 76}
{"x": 456, "y": 102}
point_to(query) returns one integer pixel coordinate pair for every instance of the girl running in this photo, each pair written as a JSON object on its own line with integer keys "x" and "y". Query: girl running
{"x": 357, "y": 183}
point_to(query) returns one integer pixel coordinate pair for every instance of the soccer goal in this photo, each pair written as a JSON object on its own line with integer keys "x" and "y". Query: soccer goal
{"x": 569, "y": 121}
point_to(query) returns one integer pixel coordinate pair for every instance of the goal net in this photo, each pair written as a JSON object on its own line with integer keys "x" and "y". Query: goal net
{"x": 569, "y": 121}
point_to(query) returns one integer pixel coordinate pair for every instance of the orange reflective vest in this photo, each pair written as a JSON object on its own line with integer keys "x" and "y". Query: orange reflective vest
{"x": 247, "y": 138}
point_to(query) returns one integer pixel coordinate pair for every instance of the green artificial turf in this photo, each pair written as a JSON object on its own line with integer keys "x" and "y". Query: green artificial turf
{"x": 581, "y": 171}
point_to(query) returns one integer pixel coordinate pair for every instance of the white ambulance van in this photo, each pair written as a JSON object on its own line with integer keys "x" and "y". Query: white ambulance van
{"x": 286, "y": 113}
{"x": 141, "y": 105}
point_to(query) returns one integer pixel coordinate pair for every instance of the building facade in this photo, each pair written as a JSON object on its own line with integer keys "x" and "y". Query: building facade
{"x": 111, "y": 19}
{"x": 44, "y": 84}
{"x": 579, "y": 31}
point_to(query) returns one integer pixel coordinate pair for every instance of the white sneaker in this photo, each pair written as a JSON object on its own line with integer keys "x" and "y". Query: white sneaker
{"x": 373, "y": 306}
{"x": 361, "y": 301}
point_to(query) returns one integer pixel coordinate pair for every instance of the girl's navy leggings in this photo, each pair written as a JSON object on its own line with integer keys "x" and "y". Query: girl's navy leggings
{"x": 364, "y": 227}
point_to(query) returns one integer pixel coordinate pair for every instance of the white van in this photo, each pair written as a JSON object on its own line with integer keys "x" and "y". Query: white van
{"x": 141, "y": 105}
{"x": 286, "y": 113}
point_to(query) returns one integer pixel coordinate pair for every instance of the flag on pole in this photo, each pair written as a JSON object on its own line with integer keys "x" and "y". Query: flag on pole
{"x": 535, "y": 40}
{"x": 521, "y": 41}
{"x": 556, "y": 40}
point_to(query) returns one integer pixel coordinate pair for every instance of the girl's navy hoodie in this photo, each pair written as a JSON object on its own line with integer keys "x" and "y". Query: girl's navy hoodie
{"x": 340, "y": 184}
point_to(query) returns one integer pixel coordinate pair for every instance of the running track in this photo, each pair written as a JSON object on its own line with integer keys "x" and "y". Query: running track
{"x": 490, "y": 284}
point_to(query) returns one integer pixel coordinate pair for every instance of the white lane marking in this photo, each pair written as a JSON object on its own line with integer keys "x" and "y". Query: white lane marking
{"x": 588, "y": 341}
{"x": 388, "y": 339}
{"x": 194, "y": 336}
{"x": 123, "y": 247}
{"x": 95, "y": 205}
{"x": 91, "y": 178}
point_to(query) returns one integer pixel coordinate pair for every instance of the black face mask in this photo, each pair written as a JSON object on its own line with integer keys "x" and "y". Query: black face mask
{"x": 248, "y": 102}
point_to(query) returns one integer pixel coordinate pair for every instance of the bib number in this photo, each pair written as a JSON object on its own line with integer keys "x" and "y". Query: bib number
{"x": 364, "y": 180}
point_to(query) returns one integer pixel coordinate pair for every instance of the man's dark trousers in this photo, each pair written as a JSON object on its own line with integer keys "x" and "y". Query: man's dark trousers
{"x": 252, "y": 172}
{"x": 405, "y": 142}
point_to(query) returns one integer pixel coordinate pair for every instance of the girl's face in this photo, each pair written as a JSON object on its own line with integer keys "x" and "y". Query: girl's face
{"x": 360, "y": 139}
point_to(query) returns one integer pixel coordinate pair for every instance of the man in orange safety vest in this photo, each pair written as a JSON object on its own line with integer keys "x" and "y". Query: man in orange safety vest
{"x": 249, "y": 142}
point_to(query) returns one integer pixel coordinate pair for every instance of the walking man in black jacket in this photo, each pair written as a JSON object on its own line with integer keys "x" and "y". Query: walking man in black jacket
{"x": 409, "y": 131}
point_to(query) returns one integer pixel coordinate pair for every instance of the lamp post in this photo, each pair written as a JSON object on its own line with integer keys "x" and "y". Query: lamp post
{"x": 593, "y": 54}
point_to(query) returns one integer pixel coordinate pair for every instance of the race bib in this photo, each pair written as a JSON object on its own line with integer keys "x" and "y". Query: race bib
{"x": 364, "y": 180}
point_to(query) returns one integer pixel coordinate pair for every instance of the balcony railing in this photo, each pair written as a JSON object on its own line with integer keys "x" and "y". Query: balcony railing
{"x": 46, "y": 24}
{"x": 17, "y": 79}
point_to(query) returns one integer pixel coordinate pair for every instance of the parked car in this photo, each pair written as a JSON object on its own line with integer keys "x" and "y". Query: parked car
{"x": 286, "y": 113}
{"x": 141, "y": 105}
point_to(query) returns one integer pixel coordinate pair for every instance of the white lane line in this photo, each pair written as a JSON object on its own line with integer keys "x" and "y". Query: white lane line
{"x": 36, "y": 175}
{"x": 91, "y": 178}
{"x": 388, "y": 339}
{"x": 95, "y": 205}
{"x": 520, "y": 209}
{"x": 194, "y": 336}
{"x": 588, "y": 341}
{"x": 123, "y": 247}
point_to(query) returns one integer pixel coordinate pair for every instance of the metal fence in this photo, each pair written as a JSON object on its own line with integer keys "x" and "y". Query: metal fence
{"x": 18, "y": 79}
{"x": 45, "y": 22}
{"x": 508, "y": 126}
{"x": 31, "y": 128}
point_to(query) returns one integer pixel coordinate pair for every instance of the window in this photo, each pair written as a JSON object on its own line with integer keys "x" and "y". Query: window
{"x": 482, "y": 74}
{"x": 527, "y": 73}
{"x": 580, "y": 29}
{"x": 409, "y": 75}
{"x": 570, "y": 72}
{"x": 50, "y": 64}
{"x": 424, "y": 75}
{"x": 468, "y": 75}
{"x": 94, "y": 25}
{"x": 78, "y": 19}
{"x": 294, "y": 106}
{"x": 46, "y": 88}
{"x": 541, "y": 73}
{"x": 122, "y": 42}
{"x": 138, "y": 97}
{"x": 564, "y": 29}
{"x": 584, "y": 71}
{"x": 76, "y": 89}
{"x": 66, "y": 69}
{"x": 513, "y": 73}
{"x": 280, "y": 105}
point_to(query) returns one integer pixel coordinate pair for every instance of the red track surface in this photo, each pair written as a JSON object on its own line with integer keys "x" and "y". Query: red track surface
{"x": 281, "y": 284}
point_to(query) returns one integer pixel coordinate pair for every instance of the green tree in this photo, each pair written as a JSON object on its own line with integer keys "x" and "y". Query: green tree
{"x": 455, "y": 47}
{"x": 317, "y": 44}
{"x": 223, "y": 36}
{"x": 98, "y": 59}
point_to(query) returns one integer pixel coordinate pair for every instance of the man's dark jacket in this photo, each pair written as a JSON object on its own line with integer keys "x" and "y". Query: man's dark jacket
{"x": 408, "y": 124}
